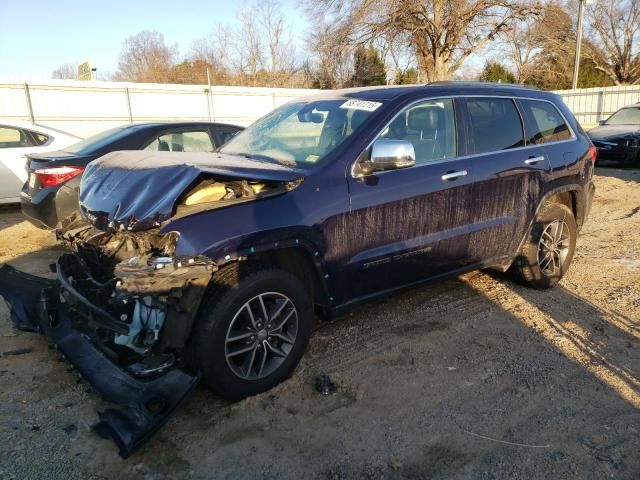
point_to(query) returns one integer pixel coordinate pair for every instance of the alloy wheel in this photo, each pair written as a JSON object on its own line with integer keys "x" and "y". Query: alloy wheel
{"x": 553, "y": 248}
{"x": 261, "y": 335}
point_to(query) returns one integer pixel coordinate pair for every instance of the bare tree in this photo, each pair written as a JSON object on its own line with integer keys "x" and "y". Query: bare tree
{"x": 614, "y": 26}
{"x": 396, "y": 53}
{"x": 523, "y": 44}
{"x": 541, "y": 49}
{"x": 264, "y": 51}
{"x": 443, "y": 33}
{"x": 214, "y": 51}
{"x": 333, "y": 58}
{"x": 146, "y": 57}
{"x": 259, "y": 51}
{"x": 65, "y": 72}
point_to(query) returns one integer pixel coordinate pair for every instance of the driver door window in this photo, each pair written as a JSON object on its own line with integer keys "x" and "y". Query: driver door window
{"x": 430, "y": 126}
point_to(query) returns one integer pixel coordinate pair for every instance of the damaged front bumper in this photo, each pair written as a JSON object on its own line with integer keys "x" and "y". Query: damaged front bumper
{"x": 145, "y": 386}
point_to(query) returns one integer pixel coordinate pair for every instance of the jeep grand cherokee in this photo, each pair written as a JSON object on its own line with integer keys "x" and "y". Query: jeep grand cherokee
{"x": 210, "y": 265}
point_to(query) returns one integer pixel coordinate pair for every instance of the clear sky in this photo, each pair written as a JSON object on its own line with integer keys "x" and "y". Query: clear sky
{"x": 36, "y": 37}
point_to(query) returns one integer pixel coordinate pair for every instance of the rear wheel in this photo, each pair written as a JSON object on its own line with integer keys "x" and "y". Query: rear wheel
{"x": 547, "y": 253}
{"x": 252, "y": 331}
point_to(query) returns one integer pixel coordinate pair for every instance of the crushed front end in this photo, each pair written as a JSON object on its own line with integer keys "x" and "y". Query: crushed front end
{"x": 121, "y": 311}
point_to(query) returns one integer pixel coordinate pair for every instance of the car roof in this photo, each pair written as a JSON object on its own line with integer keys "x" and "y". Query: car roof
{"x": 25, "y": 124}
{"x": 142, "y": 126}
{"x": 35, "y": 127}
{"x": 437, "y": 88}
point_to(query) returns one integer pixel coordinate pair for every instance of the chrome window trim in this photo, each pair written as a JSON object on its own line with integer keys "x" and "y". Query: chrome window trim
{"x": 464, "y": 157}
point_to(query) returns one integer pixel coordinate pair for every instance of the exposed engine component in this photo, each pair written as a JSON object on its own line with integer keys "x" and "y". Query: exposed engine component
{"x": 212, "y": 191}
{"x": 146, "y": 323}
{"x": 210, "y": 194}
{"x": 129, "y": 288}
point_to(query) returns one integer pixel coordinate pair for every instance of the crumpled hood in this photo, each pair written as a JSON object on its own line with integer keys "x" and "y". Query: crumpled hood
{"x": 610, "y": 132}
{"x": 138, "y": 190}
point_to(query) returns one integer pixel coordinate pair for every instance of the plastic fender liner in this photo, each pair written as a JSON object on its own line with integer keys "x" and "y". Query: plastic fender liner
{"x": 143, "y": 405}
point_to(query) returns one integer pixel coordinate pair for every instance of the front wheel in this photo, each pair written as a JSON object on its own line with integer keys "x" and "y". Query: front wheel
{"x": 252, "y": 331}
{"x": 548, "y": 250}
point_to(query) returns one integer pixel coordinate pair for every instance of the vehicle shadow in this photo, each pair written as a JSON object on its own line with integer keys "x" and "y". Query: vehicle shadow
{"x": 471, "y": 375}
{"x": 628, "y": 174}
{"x": 604, "y": 342}
{"x": 10, "y": 215}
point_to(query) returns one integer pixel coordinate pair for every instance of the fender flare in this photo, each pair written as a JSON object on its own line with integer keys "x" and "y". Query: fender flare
{"x": 570, "y": 187}
{"x": 314, "y": 254}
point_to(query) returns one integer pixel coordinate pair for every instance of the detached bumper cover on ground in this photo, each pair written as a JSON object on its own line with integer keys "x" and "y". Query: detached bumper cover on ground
{"x": 143, "y": 405}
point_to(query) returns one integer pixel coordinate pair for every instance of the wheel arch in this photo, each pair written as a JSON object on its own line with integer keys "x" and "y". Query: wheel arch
{"x": 298, "y": 257}
{"x": 570, "y": 195}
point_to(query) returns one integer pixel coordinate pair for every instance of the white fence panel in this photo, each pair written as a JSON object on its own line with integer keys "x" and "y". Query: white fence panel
{"x": 13, "y": 102}
{"x": 85, "y": 108}
{"x": 591, "y": 105}
{"x": 150, "y": 105}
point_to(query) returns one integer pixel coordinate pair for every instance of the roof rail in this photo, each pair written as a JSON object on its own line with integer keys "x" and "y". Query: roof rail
{"x": 480, "y": 84}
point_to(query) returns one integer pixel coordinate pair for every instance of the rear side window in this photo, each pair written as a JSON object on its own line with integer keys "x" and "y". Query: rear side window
{"x": 198, "y": 141}
{"x": 39, "y": 138}
{"x": 544, "y": 122}
{"x": 495, "y": 125}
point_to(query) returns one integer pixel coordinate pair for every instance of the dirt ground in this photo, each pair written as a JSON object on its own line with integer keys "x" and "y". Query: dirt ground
{"x": 474, "y": 377}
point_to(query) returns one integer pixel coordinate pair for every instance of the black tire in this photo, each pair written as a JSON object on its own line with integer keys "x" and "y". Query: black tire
{"x": 532, "y": 265}
{"x": 231, "y": 289}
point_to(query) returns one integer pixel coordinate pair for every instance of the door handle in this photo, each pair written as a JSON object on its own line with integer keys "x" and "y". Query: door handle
{"x": 534, "y": 160}
{"x": 454, "y": 175}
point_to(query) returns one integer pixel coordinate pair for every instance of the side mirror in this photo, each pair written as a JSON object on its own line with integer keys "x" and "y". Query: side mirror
{"x": 601, "y": 122}
{"x": 389, "y": 154}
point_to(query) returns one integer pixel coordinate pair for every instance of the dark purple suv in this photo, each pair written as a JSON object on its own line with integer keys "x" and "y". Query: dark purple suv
{"x": 210, "y": 265}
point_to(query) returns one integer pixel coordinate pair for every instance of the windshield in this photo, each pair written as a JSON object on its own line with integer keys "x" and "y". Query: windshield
{"x": 92, "y": 144}
{"x": 626, "y": 116}
{"x": 302, "y": 134}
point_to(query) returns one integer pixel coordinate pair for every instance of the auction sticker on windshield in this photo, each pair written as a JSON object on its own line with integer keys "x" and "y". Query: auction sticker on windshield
{"x": 361, "y": 105}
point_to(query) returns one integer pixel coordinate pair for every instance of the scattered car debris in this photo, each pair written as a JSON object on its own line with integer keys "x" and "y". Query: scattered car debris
{"x": 324, "y": 385}
{"x": 18, "y": 351}
{"x": 70, "y": 429}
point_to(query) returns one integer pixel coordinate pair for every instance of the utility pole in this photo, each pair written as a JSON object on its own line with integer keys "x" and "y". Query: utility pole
{"x": 210, "y": 107}
{"x": 576, "y": 61}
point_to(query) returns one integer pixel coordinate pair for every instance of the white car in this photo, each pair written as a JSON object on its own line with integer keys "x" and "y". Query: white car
{"x": 18, "y": 139}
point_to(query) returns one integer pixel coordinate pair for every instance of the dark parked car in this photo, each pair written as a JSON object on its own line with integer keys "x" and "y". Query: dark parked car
{"x": 210, "y": 266}
{"x": 50, "y": 193}
{"x": 618, "y": 137}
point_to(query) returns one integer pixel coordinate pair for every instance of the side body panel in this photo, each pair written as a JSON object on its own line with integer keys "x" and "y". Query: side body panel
{"x": 342, "y": 234}
{"x": 508, "y": 187}
{"x": 407, "y": 225}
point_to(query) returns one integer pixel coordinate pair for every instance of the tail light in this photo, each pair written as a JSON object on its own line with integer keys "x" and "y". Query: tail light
{"x": 593, "y": 153}
{"x": 50, "y": 177}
